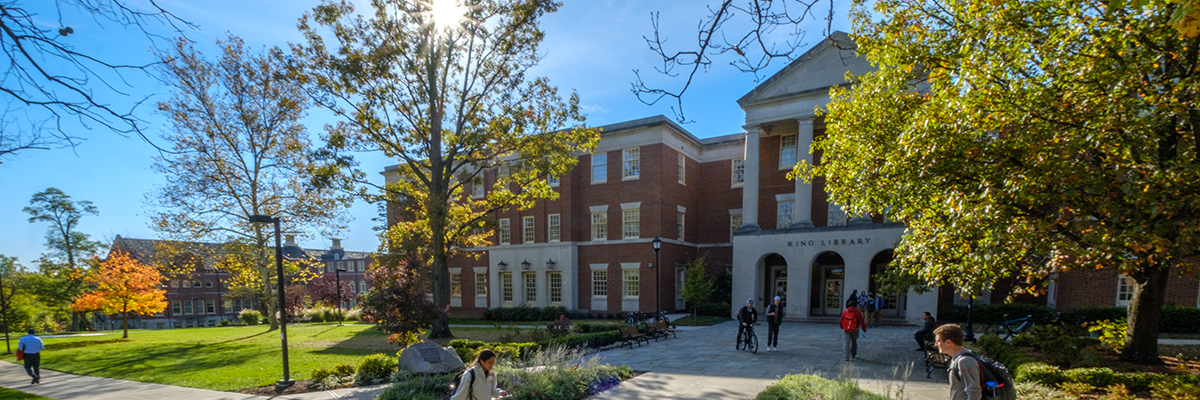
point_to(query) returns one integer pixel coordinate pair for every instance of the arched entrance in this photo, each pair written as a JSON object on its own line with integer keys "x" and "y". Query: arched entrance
{"x": 775, "y": 268}
{"x": 893, "y": 303}
{"x": 828, "y": 284}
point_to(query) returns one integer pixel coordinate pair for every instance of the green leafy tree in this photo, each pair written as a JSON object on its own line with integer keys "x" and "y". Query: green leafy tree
{"x": 1019, "y": 139}
{"x": 238, "y": 149}
{"x": 447, "y": 94}
{"x": 62, "y": 276}
{"x": 699, "y": 286}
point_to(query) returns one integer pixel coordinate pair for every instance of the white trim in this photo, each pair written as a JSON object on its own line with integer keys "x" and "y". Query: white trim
{"x": 785, "y": 197}
{"x": 681, "y": 209}
{"x": 631, "y": 265}
{"x": 479, "y": 270}
{"x": 597, "y": 266}
{"x": 455, "y": 270}
{"x": 597, "y": 209}
{"x": 736, "y": 211}
{"x": 630, "y": 206}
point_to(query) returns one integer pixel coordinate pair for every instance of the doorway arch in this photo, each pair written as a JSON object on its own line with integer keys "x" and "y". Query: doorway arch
{"x": 828, "y": 284}
{"x": 893, "y": 303}
{"x": 775, "y": 269}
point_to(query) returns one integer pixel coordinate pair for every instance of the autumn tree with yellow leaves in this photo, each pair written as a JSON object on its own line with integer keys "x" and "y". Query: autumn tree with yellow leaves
{"x": 122, "y": 285}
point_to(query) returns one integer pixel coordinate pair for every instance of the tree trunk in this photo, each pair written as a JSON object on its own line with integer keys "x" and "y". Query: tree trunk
{"x": 125, "y": 324}
{"x": 439, "y": 192}
{"x": 1145, "y": 313}
{"x": 440, "y": 328}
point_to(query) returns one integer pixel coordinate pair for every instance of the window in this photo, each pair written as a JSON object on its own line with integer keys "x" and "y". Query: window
{"x": 555, "y": 279}
{"x": 553, "y": 228}
{"x": 477, "y": 190}
{"x": 362, "y": 265}
{"x": 787, "y": 151}
{"x": 176, "y": 307}
{"x": 504, "y": 170}
{"x": 187, "y": 284}
{"x": 187, "y": 307}
{"x": 530, "y": 287}
{"x": 735, "y": 221}
{"x": 599, "y": 168}
{"x": 354, "y": 288}
{"x": 506, "y": 286}
{"x": 631, "y": 223}
{"x": 631, "y": 283}
{"x": 212, "y": 323}
{"x": 456, "y": 284}
{"x": 682, "y": 167}
{"x": 207, "y": 283}
{"x": 599, "y": 283}
{"x": 552, "y": 180}
{"x": 174, "y": 283}
{"x": 362, "y": 286}
{"x": 228, "y": 306}
{"x": 837, "y": 216}
{"x": 783, "y": 214}
{"x": 196, "y": 284}
{"x": 210, "y": 306}
{"x": 632, "y": 164}
{"x": 739, "y": 172}
{"x": 527, "y": 226}
{"x": 600, "y": 225}
{"x": 1124, "y": 290}
{"x": 481, "y": 286}
{"x": 505, "y": 235}
{"x": 679, "y": 226}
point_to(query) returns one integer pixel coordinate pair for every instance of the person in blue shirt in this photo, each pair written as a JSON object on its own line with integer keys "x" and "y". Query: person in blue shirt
{"x": 32, "y": 346}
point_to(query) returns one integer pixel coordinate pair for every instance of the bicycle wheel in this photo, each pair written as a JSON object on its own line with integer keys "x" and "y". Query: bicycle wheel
{"x": 630, "y": 320}
{"x": 741, "y": 344}
{"x": 991, "y": 329}
{"x": 752, "y": 343}
{"x": 1005, "y": 332}
{"x": 665, "y": 319}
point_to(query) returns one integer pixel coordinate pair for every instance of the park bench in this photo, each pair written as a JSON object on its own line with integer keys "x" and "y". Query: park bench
{"x": 660, "y": 328}
{"x": 934, "y": 359}
{"x": 630, "y": 335}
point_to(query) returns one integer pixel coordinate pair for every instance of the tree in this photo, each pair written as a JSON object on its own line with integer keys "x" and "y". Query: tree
{"x": 398, "y": 302}
{"x": 295, "y": 300}
{"x": 1021, "y": 139}
{"x": 122, "y": 285}
{"x": 47, "y": 80}
{"x": 239, "y": 149}
{"x": 698, "y": 287}
{"x": 448, "y": 96}
{"x": 62, "y": 276}
{"x": 325, "y": 290}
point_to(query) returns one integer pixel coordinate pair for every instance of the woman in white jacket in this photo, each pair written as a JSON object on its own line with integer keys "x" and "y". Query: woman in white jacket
{"x": 478, "y": 382}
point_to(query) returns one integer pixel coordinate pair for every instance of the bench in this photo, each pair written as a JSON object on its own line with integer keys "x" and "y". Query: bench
{"x": 660, "y": 328}
{"x": 630, "y": 335}
{"x": 934, "y": 359}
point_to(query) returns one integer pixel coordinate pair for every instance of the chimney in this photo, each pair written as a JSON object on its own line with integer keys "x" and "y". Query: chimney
{"x": 337, "y": 244}
{"x": 289, "y": 240}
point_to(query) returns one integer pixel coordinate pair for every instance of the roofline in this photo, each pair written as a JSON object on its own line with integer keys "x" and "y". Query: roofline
{"x": 836, "y": 36}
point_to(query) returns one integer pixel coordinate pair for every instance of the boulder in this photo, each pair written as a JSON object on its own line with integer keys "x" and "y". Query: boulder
{"x": 429, "y": 358}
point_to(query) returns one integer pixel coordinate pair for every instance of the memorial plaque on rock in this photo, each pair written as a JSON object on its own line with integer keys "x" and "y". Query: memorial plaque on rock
{"x": 431, "y": 355}
{"x": 427, "y": 357}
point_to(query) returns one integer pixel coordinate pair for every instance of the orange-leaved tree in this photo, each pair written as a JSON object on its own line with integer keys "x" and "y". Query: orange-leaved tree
{"x": 122, "y": 285}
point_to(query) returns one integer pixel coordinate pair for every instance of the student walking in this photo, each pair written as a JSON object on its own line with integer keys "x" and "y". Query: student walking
{"x": 478, "y": 382}
{"x": 877, "y": 314}
{"x": 32, "y": 347}
{"x": 774, "y": 318}
{"x": 964, "y": 370}
{"x": 852, "y": 321}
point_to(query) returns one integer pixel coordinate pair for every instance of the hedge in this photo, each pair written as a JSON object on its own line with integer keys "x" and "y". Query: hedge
{"x": 1175, "y": 318}
{"x": 714, "y": 309}
{"x": 993, "y": 313}
{"x": 1026, "y": 368}
{"x": 468, "y": 349}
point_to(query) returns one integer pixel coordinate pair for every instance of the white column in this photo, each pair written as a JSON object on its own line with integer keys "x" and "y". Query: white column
{"x": 750, "y": 180}
{"x": 802, "y": 208}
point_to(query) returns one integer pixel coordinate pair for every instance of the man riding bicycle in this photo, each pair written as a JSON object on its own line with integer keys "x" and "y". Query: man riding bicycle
{"x": 746, "y": 317}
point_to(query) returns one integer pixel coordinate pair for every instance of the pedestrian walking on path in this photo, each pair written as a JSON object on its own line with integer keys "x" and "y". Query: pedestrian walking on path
{"x": 478, "y": 382}
{"x": 32, "y": 348}
{"x": 852, "y": 321}
{"x": 964, "y": 371}
{"x": 774, "y": 318}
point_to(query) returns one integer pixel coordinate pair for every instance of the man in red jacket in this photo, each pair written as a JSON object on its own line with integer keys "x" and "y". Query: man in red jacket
{"x": 852, "y": 321}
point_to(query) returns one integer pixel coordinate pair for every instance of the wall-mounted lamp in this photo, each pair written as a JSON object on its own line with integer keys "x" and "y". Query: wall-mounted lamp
{"x": 525, "y": 265}
{"x": 550, "y": 264}
{"x": 503, "y": 266}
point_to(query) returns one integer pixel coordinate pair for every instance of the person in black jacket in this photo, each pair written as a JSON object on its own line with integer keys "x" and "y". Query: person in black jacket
{"x": 774, "y": 318}
{"x": 747, "y": 316}
{"x": 926, "y": 332}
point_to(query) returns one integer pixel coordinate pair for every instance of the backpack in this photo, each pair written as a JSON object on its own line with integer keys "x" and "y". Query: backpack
{"x": 849, "y": 323}
{"x": 454, "y": 383}
{"x": 870, "y": 305}
{"x": 997, "y": 382}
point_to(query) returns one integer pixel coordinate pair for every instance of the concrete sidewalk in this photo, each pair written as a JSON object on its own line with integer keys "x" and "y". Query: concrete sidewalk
{"x": 63, "y": 386}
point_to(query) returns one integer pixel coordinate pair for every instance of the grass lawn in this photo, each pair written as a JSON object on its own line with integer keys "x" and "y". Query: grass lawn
{"x": 10, "y": 394}
{"x": 700, "y": 320}
{"x": 227, "y": 358}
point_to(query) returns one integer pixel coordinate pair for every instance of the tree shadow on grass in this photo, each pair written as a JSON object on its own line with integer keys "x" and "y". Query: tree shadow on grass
{"x": 122, "y": 363}
{"x": 81, "y": 343}
{"x": 242, "y": 338}
{"x": 365, "y": 342}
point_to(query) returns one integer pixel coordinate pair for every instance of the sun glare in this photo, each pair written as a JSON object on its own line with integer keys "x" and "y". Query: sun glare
{"x": 446, "y": 13}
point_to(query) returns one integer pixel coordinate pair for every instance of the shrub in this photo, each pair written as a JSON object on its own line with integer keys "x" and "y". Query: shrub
{"x": 552, "y": 313}
{"x": 353, "y": 314}
{"x": 1043, "y": 373}
{"x": 1077, "y": 388}
{"x": 418, "y": 387}
{"x": 562, "y": 375}
{"x": 1118, "y": 392}
{"x": 994, "y": 313}
{"x": 595, "y": 328}
{"x": 997, "y": 349}
{"x": 1079, "y": 316}
{"x": 224, "y": 322}
{"x": 1174, "y": 388}
{"x": 375, "y": 368}
{"x": 403, "y": 339}
{"x": 313, "y": 315}
{"x": 801, "y": 386}
{"x": 1034, "y": 390}
{"x": 250, "y": 317}
{"x": 1112, "y": 333}
{"x": 1180, "y": 319}
{"x": 714, "y": 309}
{"x": 339, "y": 376}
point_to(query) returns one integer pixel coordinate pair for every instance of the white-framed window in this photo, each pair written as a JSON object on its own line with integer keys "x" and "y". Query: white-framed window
{"x": 553, "y": 228}
{"x": 837, "y": 216}
{"x": 679, "y": 226}
{"x": 630, "y": 282}
{"x": 783, "y": 214}
{"x": 187, "y": 284}
{"x": 505, "y": 232}
{"x": 682, "y": 168}
{"x": 477, "y": 190}
{"x": 207, "y": 283}
{"x": 599, "y": 168}
{"x": 187, "y": 307}
{"x": 456, "y": 284}
{"x": 506, "y": 287}
{"x": 631, "y": 224}
{"x": 528, "y": 228}
{"x": 735, "y": 221}
{"x": 354, "y": 287}
{"x": 228, "y": 306}
{"x": 599, "y": 283}
{"x": 600, "y": 225}
{"x": 174, "y": 283}
{"x": 210, "y": 306}
{"x": 530, "y": 287}
{"x": 362, "y": 286}
{"x": 632, "y": 163}
{"x": 504, "y": 170}
{"x": 552, "y": 180}
{"x": 176, "y": 307}
{"x": 1124, "y": 290}
{"x": 362, "y": 265}
{"x": 555, "y": 281}
{"x": 738, "y": 177}
{"x": 787, "y": 151}
{"x": 481, "y": 285}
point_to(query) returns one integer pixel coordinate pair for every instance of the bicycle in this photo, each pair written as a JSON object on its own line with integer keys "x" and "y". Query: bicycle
{"x": 661, "y": 315}
{"x": 748, "y": 340}
{"x": 1008, "y": 328}
{"x": 636, "y": 317}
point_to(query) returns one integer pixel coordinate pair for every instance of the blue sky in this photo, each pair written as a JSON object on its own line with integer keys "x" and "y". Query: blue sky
{"x": 591, "y": 46}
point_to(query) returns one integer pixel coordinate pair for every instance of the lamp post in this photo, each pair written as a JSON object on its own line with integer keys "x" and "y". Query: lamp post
{"x": 4, "y": 315}
{"x": 970, "y": 337}
{"x": 287, "y": 379}
{"x": 337, "y": 274}
{"x": 657, "y": 245}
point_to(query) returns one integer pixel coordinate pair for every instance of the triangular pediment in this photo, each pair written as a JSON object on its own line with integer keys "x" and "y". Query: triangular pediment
{"x": 822, "y": 66}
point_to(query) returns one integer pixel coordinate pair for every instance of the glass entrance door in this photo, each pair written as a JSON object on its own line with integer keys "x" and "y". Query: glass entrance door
{"x": 833, "y": 296}
{"x": 779, "y": 287}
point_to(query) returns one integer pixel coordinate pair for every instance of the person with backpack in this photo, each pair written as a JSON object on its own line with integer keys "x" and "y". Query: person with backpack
{"x": 972, "y": 377}
{"x": 478, "y": 382}
{"x": 869, "y": 310}
{"x": 852, "y": 321}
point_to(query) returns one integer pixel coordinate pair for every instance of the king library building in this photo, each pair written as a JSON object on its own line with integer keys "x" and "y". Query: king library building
{"x": 725, "y": 198}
